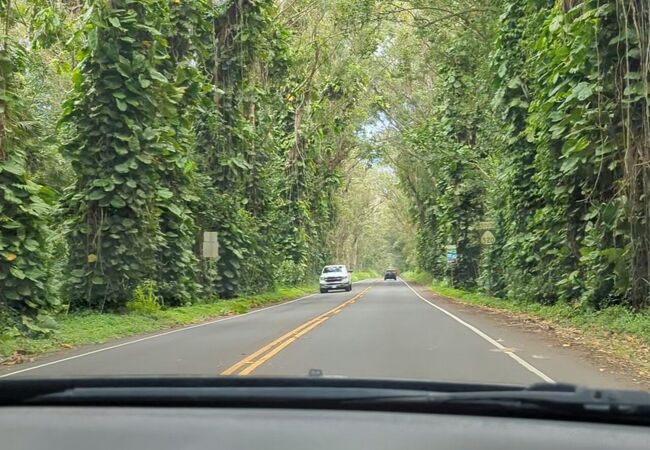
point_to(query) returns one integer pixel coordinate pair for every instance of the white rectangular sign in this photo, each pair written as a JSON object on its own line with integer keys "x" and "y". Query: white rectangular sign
{"x": 210, "y": 244}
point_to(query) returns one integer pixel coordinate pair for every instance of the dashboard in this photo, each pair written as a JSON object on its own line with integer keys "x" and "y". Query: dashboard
{"x": 164, "y": 428}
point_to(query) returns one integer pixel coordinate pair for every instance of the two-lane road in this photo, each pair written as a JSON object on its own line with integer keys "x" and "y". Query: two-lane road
{"x": 380, "y": 329}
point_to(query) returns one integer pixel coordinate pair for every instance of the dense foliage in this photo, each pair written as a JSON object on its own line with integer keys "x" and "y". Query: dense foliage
{"x": 24, "y": 204}
{"x": 232, "y": 117}
{"x": 578, "y": 206}
{"x": 538, "y": 133}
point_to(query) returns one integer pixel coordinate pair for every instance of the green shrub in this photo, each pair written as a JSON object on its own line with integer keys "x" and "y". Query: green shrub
{"x": 145, "y": 300}
{"x": 364, "y": 275}
{"x": 422, "y": 278}
{"x": 290, "y": 273}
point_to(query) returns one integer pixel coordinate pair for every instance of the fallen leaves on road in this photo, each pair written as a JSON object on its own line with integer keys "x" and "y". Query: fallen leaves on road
{"x": 13, "y": 360}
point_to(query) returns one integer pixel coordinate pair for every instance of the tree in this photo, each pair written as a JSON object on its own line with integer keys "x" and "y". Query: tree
{"x": 24, "y": 208}
{"x": 121, "y": 147}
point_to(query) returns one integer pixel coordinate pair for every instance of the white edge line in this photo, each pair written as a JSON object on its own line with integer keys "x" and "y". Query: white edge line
{"x": 517, "y": 358}
{"x": 146, "y": 338}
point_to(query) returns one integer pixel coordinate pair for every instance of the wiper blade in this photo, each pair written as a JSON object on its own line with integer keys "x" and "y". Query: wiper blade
{"x": 20, "y": 390}
{"x": 547, "y": 401}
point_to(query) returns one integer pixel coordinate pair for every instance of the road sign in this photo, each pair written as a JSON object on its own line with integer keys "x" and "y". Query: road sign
{"x": 452, "y": 255}
{"x": 210, "y": 245}
{"x": 487, "y": 238}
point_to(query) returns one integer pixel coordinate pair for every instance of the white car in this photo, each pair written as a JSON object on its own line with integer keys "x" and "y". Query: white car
{"x": 335, "y": 277}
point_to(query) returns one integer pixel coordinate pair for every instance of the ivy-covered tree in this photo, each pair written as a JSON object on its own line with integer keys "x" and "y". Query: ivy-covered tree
{"x": 122, "y": 147}
{"x": 177, "y": 274}
{"x": 570, "y": 230}
{"x": 233, "y": 155}
{"x": 24, "y": 209}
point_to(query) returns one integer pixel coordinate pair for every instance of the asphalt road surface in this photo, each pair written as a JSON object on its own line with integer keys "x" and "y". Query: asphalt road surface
{"x": 380, "y": 329}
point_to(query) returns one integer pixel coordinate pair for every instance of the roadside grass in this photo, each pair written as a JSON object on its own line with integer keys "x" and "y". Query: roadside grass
{"x": 85, "y": 327}
{"x": 421, "y": 278}
{"x": 358, "y": 276}
{"x": 615, "y": 330}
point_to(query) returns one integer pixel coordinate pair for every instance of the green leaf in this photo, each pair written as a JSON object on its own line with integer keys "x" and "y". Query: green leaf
{"x": 502, "y": 70}
{"x": 11, "y": 197}
{"x": 96, "y": 194}
{"x": 47, "y": 321}
{"x": 122, "y": 106}
{"x": 117, "y": 202}
{"x": 174, "y": 209}
{"x": 144, "y": 82}
{"x": 122, "y": 168}
{"x": 149, "y": 133}
{"x": 16, "y": 272}
{"x": 144, "y": 158}
{"x": 582, "y": 91}
{"x": 556, "y": 23}
{"x": 12, "y": 167}
{"x": 165, "y": 194}
{"x": 115, "y": 22}
{"x": 157, "y": 76}
{"x": 77, "y": 78}
{"x": 570, "y": 164}
{"x": 122, "y": 137}
{"x": 31, "y": 245}
{"x": 240, "y": 163}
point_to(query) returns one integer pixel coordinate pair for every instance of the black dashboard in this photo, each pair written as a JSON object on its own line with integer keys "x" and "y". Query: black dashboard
{"x": 315, "y": 413}
{"x": 69, "y": 428}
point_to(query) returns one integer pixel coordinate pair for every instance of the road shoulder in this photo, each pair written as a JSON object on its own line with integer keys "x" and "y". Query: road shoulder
{"x": 562, "y": 351}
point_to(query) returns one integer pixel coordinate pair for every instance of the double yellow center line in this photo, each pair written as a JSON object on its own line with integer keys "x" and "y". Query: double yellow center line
{"x": 247, "y": 365}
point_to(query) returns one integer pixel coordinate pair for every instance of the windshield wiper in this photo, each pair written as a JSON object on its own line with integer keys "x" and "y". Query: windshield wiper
{"x": 538, "y": 401}
{"x": 547, "y": 401}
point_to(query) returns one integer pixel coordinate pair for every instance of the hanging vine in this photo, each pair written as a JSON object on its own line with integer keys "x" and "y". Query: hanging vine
{"x": 576, "y": 214}
{"x": 24, "y": 208}
{"x": 177, "y": 273}
{"x": 120, "y": 149}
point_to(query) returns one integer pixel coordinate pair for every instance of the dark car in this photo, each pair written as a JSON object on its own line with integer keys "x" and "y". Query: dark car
{"x": 390, "y": 274}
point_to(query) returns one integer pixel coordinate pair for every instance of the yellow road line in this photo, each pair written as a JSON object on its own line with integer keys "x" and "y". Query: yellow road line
{"x": 249, "y": 359}
{"x": 280, "y": 347}
{"x": 256, "y": 359}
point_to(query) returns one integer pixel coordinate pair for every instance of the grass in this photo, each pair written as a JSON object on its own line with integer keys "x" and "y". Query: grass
{"x": 358, "y": 276}
{"x": 421, "y": 278}
{"x": 95, "y": 328}
{"x": 615, "y": 330}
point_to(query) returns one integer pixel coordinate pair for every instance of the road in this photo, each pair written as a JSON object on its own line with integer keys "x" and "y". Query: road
{"x": 380, "y": 329}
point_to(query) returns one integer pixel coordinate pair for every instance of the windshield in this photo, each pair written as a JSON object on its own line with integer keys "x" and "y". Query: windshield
{"x": 179, "y": 178}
